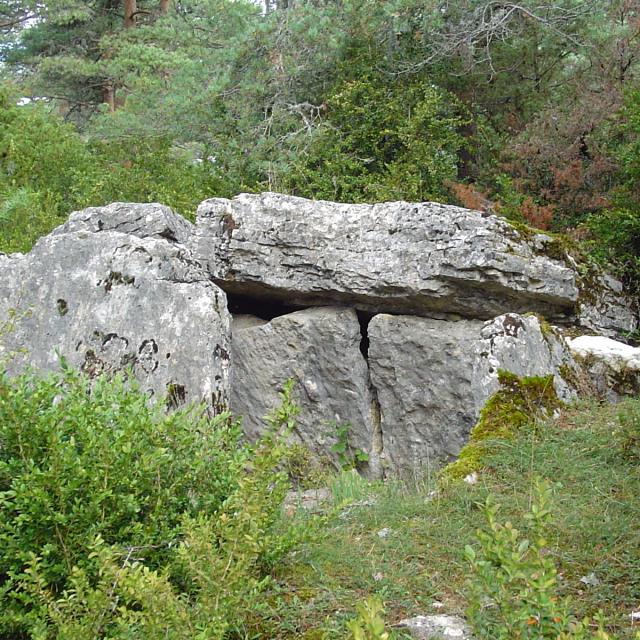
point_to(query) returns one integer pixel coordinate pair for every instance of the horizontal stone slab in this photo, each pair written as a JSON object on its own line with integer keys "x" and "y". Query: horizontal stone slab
{"x": 421, "y": 259}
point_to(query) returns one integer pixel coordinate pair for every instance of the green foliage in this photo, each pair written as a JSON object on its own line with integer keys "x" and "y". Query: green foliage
{"x": 349, "y": 457}
{"x": 213, "y": 581}
{"x": 45, "y": 171}
{"x": 381, "y": 142}
{"x": 305, "y": 468}
{"x": 151, "y": 170}
{"x": 513, "y": 591}
{"x": 97, "y": 482}
{"x": 518, "y": 403}
{"x": 348, "y": 487}
{"x": 48, "y": 170}
{"x": 616, "y": 243}
{"x": 39, "y": 152}
{"x": 369, "y": 625}
{"x": 628, "y": 433}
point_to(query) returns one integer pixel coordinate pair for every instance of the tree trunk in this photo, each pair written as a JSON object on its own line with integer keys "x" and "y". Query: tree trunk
{"x": 130, "y": 9}
{"x": 109, "y": 96}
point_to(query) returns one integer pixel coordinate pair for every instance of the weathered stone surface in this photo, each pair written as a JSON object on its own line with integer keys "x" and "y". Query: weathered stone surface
{"x": 602, "y": 306}
{"x": 436, "y": 627}
{"x": 320, "y": 349}
{"x": 420, "y": 259}
{"x": 312, "y": 500}
{"x": 132, "y": 285}
{"x": 433, "y": 377}
{"x": 142, "y": 220}
{"x": 613, "y": 368}
{"x": 109, "y": 300}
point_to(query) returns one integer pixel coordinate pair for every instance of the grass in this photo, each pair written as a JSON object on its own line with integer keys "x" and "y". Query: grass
{"x": 596, "y": 530}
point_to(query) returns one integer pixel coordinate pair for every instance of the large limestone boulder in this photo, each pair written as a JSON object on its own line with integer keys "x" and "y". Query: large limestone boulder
{"x": 433, "y": 377}
{"x": 420, "y": 259}
{"x": 135, "y": 286}
{"x": 320, "y": 349}
{"x": 424, "y": 259}
{"x": 112, "y": 289}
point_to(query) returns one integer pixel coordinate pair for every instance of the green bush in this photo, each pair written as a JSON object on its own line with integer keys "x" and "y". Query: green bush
{"x": 152, "y": 170}
{"x": 615, "y": 243}
{"x": 513, "y": 590}
{"x": 48, "y": 170}
{"x": 77, "y": 465}
{"x": 369, "y": 625}
{"x": 212, "y": 584}
{"x": 45, "y": 172}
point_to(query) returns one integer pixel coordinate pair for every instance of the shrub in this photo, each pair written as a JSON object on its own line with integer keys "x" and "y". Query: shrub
{"x": 369, "y": 625}
{"x": 513, "y": 590}
{"x": 152, "y": 170}
{"x": 615, "y": 243}
{"x": 47, "y": 170}
{"x": 79, "y": 465}
{"x": 381, "y": 142}
{"x": 213, "y": 582}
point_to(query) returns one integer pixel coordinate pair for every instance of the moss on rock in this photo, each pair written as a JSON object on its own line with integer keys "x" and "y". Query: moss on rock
{"x": 518, "y": 403}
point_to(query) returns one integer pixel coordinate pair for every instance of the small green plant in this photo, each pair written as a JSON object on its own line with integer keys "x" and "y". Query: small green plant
{"x": 349, "y": 457}
{"x": 628, "y": 434}
{"x": 513, "y": 591}
{"x": 369, "y": 625}
{"x": 348, "y": 487}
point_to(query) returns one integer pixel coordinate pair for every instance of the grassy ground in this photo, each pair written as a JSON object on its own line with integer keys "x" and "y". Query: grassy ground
{"x": 405, "y": 543}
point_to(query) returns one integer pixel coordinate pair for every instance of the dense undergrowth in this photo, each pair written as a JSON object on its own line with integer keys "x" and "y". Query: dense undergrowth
{"x": 119, "y": 521}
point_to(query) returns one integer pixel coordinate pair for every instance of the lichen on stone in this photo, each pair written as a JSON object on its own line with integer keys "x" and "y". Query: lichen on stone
{"x": 519, "y": 403}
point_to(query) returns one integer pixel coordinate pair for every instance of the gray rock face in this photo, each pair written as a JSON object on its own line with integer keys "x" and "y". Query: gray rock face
{"x": 108, "y": 300}
{"x": 604, "y": 308}
{"x": 135, "y": 286}
{"x": 436, "y": 627}
{"x": 433, "y": 377}
{"x": 420, "y": 259}
{"x": 142, "y": 220}
{"x": 320, "y": 349}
